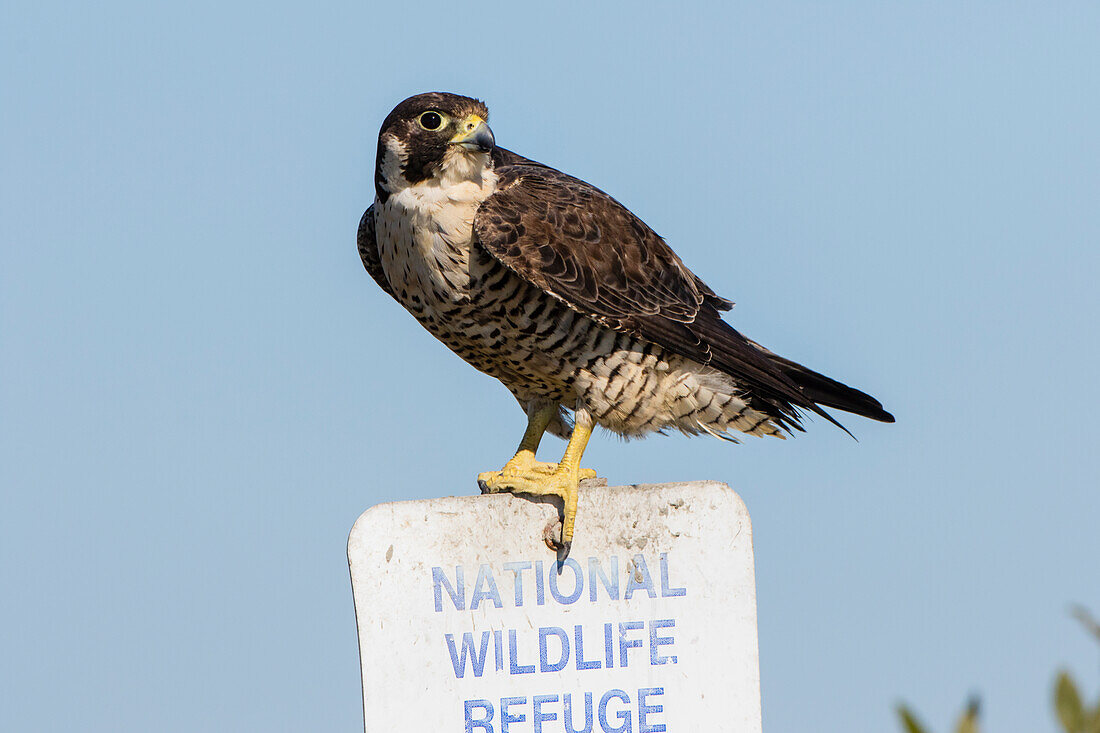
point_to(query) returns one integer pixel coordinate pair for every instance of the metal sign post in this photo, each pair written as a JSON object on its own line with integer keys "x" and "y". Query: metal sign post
{"x": 469, "y": 623}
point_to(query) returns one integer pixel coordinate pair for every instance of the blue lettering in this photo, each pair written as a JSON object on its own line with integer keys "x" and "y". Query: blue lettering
{"x": 608, "y": 647}
{"x": 639, "y": 579}
{"x": 498, "y": 649}
{"x": 486, "y": 723}
{"x": 506, "y": 717}
{"x": 611, "y": 585}
{"x": 644, "y": 710}
{"x": 544, "y": 633}
{"x": 567, "y": 716}
{"x": 517, "y": 568}
{"x": 655, "y": 656}
{"x": 537, "y": 716}
{"x": 627, "y": 644}
{"x": 666, "y": 591}
{"x": 477, "y": 661}
{"x": 540, "y": 589}
{"x": 578, "y": 587}
{"x": 485, "y": 587}
{"x": 581, "y": 663}
{"x": 514, "y": 667}
{"x": 623, "y": 715}
{"x": 439, "y": 582}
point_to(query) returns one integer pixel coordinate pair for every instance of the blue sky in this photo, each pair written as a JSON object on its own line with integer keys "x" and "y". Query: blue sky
{"x": 201, "y": 389}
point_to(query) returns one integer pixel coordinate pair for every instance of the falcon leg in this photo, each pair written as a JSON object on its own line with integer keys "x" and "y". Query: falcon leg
{"x": 561, "y": 481}
{"x": 523, "y": 462}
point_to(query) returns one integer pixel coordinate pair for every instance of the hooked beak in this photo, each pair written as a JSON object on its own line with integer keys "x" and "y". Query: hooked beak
{"x": 474, "y": 135}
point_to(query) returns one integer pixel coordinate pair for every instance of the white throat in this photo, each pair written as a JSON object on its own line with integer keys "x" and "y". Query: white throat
{"x": 464, "y": 166}
{"x": 450, "y": 198}
{"x": 425, "y": 229}
{"x": 465, "y": 169}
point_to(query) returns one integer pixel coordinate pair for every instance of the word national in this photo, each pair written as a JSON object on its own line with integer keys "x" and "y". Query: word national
{"x": 539, "y": 582}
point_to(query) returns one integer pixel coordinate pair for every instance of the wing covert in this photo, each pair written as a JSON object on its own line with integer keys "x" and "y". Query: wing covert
{"x": 582, "y": 246}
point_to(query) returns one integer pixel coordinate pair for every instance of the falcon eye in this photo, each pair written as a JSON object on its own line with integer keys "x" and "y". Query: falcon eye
{"x": 431, "y": 120}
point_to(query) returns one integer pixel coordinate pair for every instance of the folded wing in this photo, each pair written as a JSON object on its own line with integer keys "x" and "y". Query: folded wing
{"x": 584, "y": 248}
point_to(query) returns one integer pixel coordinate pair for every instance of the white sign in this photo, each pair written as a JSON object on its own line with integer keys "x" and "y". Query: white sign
{"x": 469, "y": 623}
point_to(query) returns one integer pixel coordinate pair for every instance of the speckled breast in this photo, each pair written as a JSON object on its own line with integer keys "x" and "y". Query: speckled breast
{"x": 490, "y": 317}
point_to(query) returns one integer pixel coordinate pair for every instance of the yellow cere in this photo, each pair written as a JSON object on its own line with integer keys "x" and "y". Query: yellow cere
{"x": 471, "y": 123}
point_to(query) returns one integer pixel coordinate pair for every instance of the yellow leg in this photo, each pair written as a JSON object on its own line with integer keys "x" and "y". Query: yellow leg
{"x": 524, "y": 475}
{"x": 524, "y": 459}
{"x": 523, "y": 462}
{"x": 569, "y": 470}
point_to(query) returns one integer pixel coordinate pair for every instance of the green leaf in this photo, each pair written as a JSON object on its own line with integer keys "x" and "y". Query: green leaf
{"x": 1093, "y": 725}
{"x": 968, "y": 722}
{"x": 1067, "y": 703}
{"x": 909, "y": 721}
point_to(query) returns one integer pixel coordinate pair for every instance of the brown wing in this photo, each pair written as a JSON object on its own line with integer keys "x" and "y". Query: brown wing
{"x": 368, "y": 251}
{"x": 586, "y": 249}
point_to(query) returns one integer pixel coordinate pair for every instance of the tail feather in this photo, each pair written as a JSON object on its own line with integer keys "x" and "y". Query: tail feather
{"x": 831, "y": 393}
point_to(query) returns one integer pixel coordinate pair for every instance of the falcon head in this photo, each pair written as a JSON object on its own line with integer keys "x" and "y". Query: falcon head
{"x": 432, "y": 136}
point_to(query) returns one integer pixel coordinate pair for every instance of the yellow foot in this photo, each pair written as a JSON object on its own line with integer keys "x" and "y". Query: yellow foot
{"x": 547, "y": 469}
{"x": 523, "y": 464}
{"x": 540, "y": 469}
{"x": 557, "y": 483}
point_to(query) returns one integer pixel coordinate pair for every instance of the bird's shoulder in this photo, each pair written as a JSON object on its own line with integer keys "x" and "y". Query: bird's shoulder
{"x": 578, "y": 243}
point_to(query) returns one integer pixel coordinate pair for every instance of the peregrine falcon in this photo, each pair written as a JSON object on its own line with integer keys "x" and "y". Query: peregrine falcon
{"x": 556, "y": 289}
